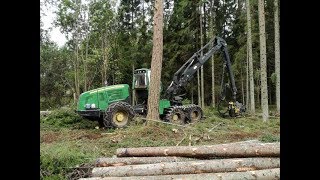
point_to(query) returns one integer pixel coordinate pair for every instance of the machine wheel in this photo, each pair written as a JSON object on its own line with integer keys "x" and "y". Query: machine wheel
{"x": 175, "y": 115}
{"x": 118, "y": 115}
{"x": 194, "y": 113}
{"x": 232, "y": 113}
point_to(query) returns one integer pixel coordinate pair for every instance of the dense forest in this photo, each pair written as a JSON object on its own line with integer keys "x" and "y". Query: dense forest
{"x": 107, "y": 40}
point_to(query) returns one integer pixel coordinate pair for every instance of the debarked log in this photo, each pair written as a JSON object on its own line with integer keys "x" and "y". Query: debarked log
{"x": 234, "y": 150}
{"x": 189, "y": 167}
{"x": 105, "y": 162}
{"x": 264, "y": 174}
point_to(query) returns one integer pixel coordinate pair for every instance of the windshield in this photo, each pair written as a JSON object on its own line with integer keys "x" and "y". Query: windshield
{"x": 140, "y": 81}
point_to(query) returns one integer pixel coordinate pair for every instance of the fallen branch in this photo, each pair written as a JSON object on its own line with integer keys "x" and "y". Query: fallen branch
{"x": 219, "y": 150}
{"x": 108, "y": 133}
{"x": 189, "y": 167}
{"x": 265, "y": 174}
{"x": 105, "y": 162}
{"x": 181, "y": 140}
{"x": 215, "y": 127}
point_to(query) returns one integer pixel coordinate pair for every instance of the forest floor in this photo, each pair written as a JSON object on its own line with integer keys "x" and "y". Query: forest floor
{"x": 65, "y": 146}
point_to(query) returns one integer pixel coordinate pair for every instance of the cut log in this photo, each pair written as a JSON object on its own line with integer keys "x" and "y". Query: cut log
{"x": 44, "y": 113}
{"x": 219, "y": 150}
{"x": 105, "y": 162}
{"x": 190, "y": 167}
{"x": 265, "y": 174}
{"x": 247, "y": 141}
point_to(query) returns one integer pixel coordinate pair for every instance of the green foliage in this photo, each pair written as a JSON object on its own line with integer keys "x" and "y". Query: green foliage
{"x": 66, "y": 117}
{"x": 186, "y": 101}
{"x": 57, "y": 160}
{"x": 55, "y": 80}
{"x": 122, "y": 39}
{"x": 270, "y": 138}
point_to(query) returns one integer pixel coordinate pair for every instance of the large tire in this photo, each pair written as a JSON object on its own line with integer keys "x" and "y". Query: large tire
{"x": 193, "y": 113}
{"x": 118, "y": 115}
{"x": 175, "y": 115}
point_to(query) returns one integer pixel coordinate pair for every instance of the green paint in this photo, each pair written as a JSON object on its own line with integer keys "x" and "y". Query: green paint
{"x": 164, "y": 103}
{"x": 103, "y": 96}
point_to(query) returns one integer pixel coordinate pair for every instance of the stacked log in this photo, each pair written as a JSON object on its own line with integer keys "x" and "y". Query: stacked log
{"x": 265, "y": 174}
{"x": 220, "y": 150}
{"x": 241, "y": 160}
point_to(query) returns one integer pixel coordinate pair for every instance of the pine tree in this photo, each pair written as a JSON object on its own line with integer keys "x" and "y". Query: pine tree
{"x": 212, "y": 32}
{"x": 263, "y": 63}
{"x": 277, "y": 52}
{"x": 201, "y": 44}
{"x": 156, "y": 63}
{"x": 249, "y": 47}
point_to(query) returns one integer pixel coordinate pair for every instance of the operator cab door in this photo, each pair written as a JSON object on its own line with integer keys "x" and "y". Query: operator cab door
{"x": 141, "y": 80}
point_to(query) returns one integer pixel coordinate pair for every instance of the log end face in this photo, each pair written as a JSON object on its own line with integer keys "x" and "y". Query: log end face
{"x": 121, "y": 152}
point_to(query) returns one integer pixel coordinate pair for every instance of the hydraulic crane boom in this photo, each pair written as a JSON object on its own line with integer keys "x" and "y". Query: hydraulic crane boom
{"x": 185, "y": 74}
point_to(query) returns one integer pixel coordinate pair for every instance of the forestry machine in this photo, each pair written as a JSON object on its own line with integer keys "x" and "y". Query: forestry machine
{"x": 111, "y": 105}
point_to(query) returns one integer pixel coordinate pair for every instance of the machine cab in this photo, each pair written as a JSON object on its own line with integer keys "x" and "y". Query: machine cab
{"x": 140, "y": 87}
{"x": 141, "y": 79}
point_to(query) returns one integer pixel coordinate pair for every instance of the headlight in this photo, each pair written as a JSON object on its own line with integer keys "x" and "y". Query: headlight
{"x": 93, "y": 105}
{"x": 87, "y": 106}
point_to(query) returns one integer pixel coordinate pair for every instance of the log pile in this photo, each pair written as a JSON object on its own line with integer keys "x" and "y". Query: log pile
{"x": 241, "y": 160}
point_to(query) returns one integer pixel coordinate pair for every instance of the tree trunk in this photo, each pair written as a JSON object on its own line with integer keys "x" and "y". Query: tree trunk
{"x": 76, "y": 74}
{"x": 219, "y": 150}
{"x": 264, "y": 174}
{"x": 105, "y": 52}
{"x": 156, "y": 63}
{"x": 192, "y": 102}
{"x": 249, "y": 44}
{"x": 270, "y": 92}
{"x": 201, "y": 44}
{"x": 189, "y": 167}
{"x": 103, "y": 75}
{"x": 199, "y": 96}
{"x": 105, "y": 162}
{"x": 133, "y": 90}
{"x": 212, "y": 19}
{"x": 277, "y": 52}
{"x": 76, "y": 61}
{"x": 258, "y": 90}
{"x": 263, "y": 62}
{"x": 85, "y": 65}
{"x": 247, "y": 84}
{"x": 242, "y": 88}
{"x": 213, "y": 103}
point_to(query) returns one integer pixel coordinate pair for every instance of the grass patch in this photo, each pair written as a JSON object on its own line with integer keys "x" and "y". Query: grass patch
{"x": 59, "y": 159}
{"x": 270, "y": 138}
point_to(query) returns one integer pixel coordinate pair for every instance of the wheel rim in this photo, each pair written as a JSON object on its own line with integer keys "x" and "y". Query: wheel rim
{"x": 120, "y": 117}
{"x": 175, "y": 117}
{"x": 195, "y": 115}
